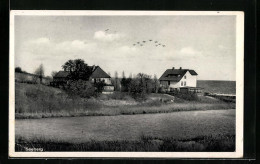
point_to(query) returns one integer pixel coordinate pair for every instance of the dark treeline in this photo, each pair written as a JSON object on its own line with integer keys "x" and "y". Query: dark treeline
{"x": 138, "y": 87}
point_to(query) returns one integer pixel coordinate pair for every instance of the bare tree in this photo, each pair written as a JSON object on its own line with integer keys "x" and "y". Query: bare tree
{"x": 53, "y": 73}
{"x": 40, "y": 72}
{"x": 123, "y": 74}
{"x": 116, "y": 80}
{"x": 145, "y": 81}
{"x": 130, "y": 76}
{"x": 156, "y": 84}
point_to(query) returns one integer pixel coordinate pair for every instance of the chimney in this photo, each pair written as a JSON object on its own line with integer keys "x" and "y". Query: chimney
{"x": 173, "y": 68}
{"x": 180, "y": 68}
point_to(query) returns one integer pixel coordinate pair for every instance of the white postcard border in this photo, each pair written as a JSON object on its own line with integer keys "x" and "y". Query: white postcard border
{"x": 239, "y": 88}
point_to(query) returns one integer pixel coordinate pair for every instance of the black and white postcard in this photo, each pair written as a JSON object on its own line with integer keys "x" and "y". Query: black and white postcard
{"x": 141, "y": 84}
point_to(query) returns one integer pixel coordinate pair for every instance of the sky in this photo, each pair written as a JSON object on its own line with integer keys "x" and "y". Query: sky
{"x": 206, "y": 44}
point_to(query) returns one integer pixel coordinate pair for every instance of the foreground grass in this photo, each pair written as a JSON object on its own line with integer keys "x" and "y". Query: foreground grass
{"x": 221, "y": 143}
{"x": 125, "y": 110}
{"x": 39, "y": 101}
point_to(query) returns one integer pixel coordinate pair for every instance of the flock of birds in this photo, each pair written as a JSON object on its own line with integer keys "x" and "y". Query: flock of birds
{"x": 110, "y": 31}
{"x": 142, "y": 43}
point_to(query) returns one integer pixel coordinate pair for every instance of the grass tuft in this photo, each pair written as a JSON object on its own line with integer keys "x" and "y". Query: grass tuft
{"x": 220, "y": 143}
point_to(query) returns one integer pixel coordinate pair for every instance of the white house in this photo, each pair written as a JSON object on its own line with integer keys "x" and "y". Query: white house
{"x": 178, "y": 78}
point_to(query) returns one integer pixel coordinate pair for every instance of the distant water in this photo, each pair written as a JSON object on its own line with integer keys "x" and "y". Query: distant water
{"x": 226, "y": 87}
{"x": 129, "y": 127}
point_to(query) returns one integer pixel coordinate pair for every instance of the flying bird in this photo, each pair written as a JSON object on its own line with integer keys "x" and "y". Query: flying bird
{"x": 156, "y": 42}
{"x": 159, "y": 44}
{"x": 106, "y": 29}
{"x": 138, "y": 42}
{"x": 150, "y": 40}
{"x": 163, "y": 45}
{"x": 143, "y": 41}
{"x": 133, "y": 44}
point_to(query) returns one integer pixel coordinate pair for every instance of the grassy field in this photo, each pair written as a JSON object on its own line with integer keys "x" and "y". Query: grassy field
{"x": 214, "y": 86}
{"x": 40, "y": 101}
{"x": 177, "y": 125}
{"x": 221, "y": 143}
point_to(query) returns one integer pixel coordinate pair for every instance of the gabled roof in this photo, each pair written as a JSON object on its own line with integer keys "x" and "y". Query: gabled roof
{"x": 192, "y": 72}
{"x": 99, "y": 73}
{"x": 62, "y": 74}
{"x": 177, "y": 74}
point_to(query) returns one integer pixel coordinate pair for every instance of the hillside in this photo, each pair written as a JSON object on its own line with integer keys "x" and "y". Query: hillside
{"x": 37, "y": 98}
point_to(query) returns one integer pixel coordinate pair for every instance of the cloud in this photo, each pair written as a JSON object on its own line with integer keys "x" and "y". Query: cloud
{"x": 107, "y": 37}
{"x": 42, "y": 41}
{"x": 45, "y": 47}
{"x": 75, "y": 46}
{"x": 189, "y": 51}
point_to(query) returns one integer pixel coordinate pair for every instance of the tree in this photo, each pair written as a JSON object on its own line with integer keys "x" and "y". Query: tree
{"x": 116, "y": 81}
{"x": 130, "y": 76}
{"x": 40, "y": 72}
{"x": 80, "y": 88}
{"x": 145, "y": 82}
{"x": 53, "y": 73}
{"x": 99, "y": 86}
{"x": 18, "y": 69}
{"x": 136, "y": 90}
{"x": 123, "y": 74}
{"x": 156, "y": 84}
{"x": 77, "y": 69}
{"x": 125, "y": 83}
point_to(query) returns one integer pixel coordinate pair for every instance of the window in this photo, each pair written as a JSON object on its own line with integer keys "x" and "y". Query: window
{"x": 169, "y": 82}
{"x": 184, "y": 83}
{"x": 184, "y": 77}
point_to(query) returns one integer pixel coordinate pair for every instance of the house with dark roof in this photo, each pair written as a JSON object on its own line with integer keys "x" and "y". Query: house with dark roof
{"x": 178, "y": 78}
{"x": 97, "y": 75}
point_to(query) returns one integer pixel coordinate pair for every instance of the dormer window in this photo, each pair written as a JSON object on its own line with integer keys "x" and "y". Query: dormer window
{"x": 185, "y": 77}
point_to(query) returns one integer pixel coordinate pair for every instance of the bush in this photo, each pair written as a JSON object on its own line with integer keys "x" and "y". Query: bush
{"x": 125, "y": 83}
{"x": 99, "y": 86}
{"x": 137, "y": 90}
{"x": 187, "y": 96}
{"x": 81, "y": 88}
{"x": 18, "y": 69}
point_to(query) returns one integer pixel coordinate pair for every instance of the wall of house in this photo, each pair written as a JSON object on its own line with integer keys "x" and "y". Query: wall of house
{"x": 109, "y": 88}
{"x": 175, "y": 84}
{"x": 106, "y": 80}
{"x": 191, "y": 81}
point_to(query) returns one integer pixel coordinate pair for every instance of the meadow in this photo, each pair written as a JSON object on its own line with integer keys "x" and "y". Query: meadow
{"x": 211, "y": 130}
{"x": 41, "y": 101}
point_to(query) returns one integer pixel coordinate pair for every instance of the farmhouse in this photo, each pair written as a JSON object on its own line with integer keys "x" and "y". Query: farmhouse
{"x": 97, "y": 75}
{"x": 184, "y": 80}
